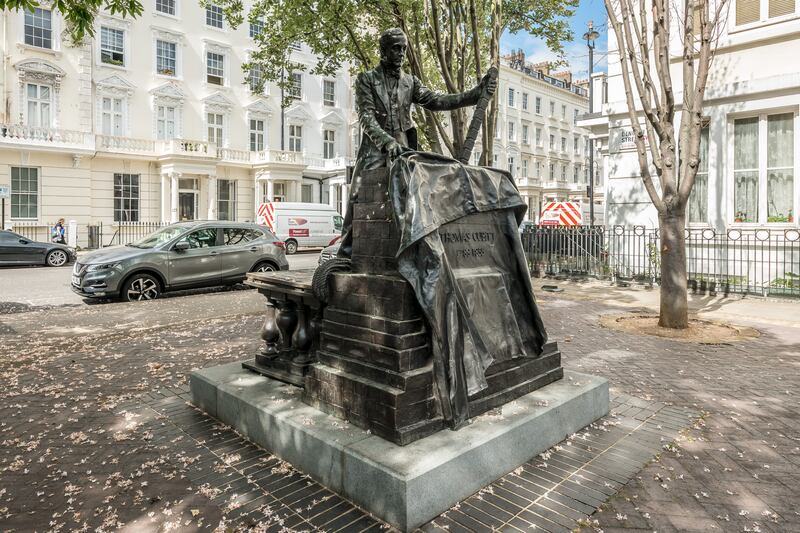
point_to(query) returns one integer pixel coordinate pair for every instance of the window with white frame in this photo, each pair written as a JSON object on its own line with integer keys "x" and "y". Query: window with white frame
{"x": 563, "y": 112}
{"x": 563, "y": 144}
{"x": 296, "y": 86}
{"x": 552, "y": 170}
{"x": 524, "y": 168}
{"x": 166, "y": 58}
{"x": 538, "y": 105}
{"x": 511, "y": 165}
{"x": 329, "y": 144}
{"x": 537, "y": 168}
{"x": 165, "y": 6}
{"x": 307, "y": 193}
{"x": 538, "y": 136}
{"x": 576, "y": 145}
{"x": 39, "y": 28}
{"x": 563, "y": 172}
{"x": 112, "y": 115}
{"x": 780, "y": 167}
{"x": 256, "y": 134}
{"x": 215, "y": 68}
{"x": 38, "y": 100}
{"x": 525, "y": 138}
{"x": 575, "y": 116}
{"x": 752, "y": 11}
{"x": 126, "y": 198}
{"x": 697, "y": 206}
{"x": 24, "y": 193}
{"x": 256, "y": 27}
{"x": 255, "y": 78}
{"x": 511, "y": 132}
{"x": 763, "y": 168}
{"x": 552, "y": 108}
{"x": 524, "y": 101}
{"x": 214, "y": 16}
{"x": 575, "y": 173}
{"x": 215, "y": 123}
{"x": 295, "y": 138}
{"x": 226, "y": 199}
{"x": 552, "y": 141}
{"x": 112, "y": 46}
{"x": 165, "y": 121}
{"x": 329, "y": 92}
{"x": 510, "y": 97}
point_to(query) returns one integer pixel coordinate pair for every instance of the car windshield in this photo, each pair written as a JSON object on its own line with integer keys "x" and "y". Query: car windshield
{"x": 161, "y": 236}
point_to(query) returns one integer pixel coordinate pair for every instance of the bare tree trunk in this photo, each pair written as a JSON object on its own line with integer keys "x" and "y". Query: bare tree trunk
{"x": 674, "y": 309}
{"x": 490, "y": 124}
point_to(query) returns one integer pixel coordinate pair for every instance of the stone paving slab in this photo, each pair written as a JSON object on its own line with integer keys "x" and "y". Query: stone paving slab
{"x": 95, "y": 433}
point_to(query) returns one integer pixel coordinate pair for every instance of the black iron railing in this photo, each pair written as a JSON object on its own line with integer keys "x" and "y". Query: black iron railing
{"x": 751, "y": 261}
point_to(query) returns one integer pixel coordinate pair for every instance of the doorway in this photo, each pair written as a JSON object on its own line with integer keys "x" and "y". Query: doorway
{"x": 188, "y": 195}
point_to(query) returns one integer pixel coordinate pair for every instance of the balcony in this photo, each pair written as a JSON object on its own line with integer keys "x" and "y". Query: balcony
{"x": 278, "y": 156}
{"x": 186, "y": 148}
{"x": 125, "y": 145}
{"x": 321, "y": 163}
{"x": 45, "y": 138}
{"x": 52, "y": 139}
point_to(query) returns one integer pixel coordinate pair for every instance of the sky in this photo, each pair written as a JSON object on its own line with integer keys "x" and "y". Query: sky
{"x": 575, "y": 51}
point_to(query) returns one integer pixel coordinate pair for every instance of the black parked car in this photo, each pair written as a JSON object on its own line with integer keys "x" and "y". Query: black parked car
{"x": 18, "y": 250}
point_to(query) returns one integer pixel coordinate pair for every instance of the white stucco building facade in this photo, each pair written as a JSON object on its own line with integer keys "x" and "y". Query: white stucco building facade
{"x": 538, "y": 138}
{"x": 153, "y": 119}
{"x": 751, "y": 141}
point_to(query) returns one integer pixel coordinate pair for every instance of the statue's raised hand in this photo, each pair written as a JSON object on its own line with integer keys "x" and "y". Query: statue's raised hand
{"x": 489, "y": 83}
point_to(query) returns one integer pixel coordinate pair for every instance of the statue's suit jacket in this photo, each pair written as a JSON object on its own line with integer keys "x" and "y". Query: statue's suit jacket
{"x": 372, "y": 103}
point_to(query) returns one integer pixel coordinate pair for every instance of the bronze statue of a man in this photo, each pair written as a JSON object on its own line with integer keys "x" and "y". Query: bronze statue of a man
{"x": 384, "y": 97}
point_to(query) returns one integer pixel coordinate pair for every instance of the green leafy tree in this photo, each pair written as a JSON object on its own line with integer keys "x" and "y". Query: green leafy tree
{"x": 80, "y": 14}
{"x": 451, "y": 43}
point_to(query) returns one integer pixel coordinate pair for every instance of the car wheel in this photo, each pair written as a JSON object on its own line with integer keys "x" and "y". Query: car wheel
{"x": 57, "y": 258}
{"x": 291, "y": 247}
{"x": 141, "y": 287}
{"x": 264, "y": 267}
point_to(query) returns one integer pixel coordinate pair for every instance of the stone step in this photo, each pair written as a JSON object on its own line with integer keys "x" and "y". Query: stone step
{"x": 413, "y": 379}
{"x": 375, "y": 354}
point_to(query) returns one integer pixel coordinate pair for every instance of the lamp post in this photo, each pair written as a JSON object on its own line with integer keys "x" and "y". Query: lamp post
{"x": 591, "y": 36}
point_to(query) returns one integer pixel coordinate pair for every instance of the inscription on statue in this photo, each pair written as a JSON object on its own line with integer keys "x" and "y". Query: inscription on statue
{"x": 463, "y": 243}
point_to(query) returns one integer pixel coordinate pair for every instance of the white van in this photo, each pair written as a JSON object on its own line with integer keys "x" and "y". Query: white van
{"x": 301, "y": 224}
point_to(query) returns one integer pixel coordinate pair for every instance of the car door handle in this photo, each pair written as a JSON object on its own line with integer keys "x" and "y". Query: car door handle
{"x": 254, "y": 249}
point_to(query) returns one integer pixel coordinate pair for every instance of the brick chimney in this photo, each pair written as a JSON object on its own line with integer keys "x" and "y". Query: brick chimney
{"x": 543, "y": 67}
{"x": 583, "y": 84}
{"x": 565, "y": 76}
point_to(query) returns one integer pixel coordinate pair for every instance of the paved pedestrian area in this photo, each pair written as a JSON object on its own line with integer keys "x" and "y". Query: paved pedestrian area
{"x": 95, "y": 432}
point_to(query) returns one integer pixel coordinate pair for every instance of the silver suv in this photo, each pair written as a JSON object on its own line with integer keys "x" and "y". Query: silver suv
{"x": 179, "y": 256}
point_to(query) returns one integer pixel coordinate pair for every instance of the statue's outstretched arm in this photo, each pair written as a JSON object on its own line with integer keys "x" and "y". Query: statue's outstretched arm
{"x": 434, "y": 101}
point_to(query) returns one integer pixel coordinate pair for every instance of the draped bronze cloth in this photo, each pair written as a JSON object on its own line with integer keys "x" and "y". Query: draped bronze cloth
{"x": 461, "y": 252}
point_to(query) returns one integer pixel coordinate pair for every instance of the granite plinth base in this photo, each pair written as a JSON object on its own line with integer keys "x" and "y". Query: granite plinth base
{"x": 404, "y": 485}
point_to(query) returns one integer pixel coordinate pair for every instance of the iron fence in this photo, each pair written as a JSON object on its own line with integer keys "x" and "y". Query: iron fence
{"x": 91, "y": 236}
{"x": 750, "y": 261}
{"x": 125, "y": 232}
{"x": 35, "y": 231}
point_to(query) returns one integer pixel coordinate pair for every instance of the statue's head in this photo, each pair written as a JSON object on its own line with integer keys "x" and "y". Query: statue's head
{"x": 393, "y": 48}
